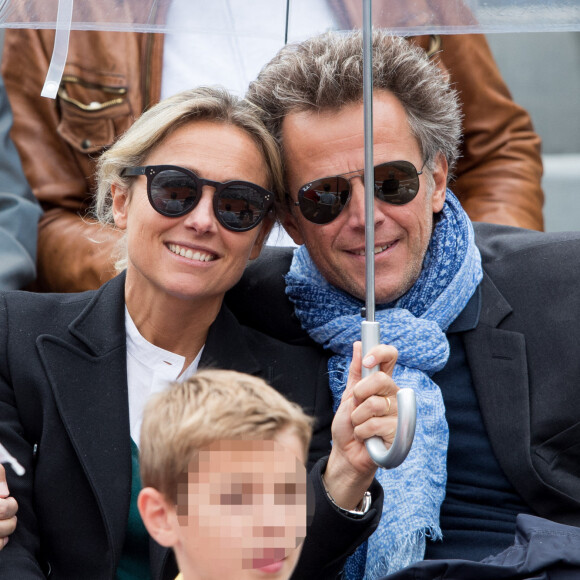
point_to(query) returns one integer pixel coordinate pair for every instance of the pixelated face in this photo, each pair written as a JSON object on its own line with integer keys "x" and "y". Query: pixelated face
{"x": 246, "y": 510}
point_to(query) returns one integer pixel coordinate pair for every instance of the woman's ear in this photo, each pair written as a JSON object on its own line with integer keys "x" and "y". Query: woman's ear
{"x": 158, "y": 516}
{"x": 290, "y": 224}
{"x": 120, "y": 207}
{"x": 265, "y": 228}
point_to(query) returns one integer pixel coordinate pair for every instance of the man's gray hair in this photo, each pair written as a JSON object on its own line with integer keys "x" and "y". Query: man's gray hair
{"x": 326, "y": 72}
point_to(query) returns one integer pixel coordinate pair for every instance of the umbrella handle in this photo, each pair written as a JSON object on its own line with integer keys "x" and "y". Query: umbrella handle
{"x": 407, "y": 412}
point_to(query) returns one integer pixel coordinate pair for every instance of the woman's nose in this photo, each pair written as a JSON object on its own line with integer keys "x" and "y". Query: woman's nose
{"x": 202, "y": 218}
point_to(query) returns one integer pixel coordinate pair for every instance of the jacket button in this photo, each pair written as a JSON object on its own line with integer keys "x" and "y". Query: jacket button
{"x": 86, "y": 143}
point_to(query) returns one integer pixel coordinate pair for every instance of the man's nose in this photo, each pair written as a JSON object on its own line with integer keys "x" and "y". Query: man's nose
{"x": 356, "y": 205}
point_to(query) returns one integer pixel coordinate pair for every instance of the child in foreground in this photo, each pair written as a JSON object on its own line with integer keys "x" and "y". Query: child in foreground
{"x": 222, "y": 460}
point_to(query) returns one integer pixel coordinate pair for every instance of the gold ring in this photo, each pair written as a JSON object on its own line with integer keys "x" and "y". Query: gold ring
{"x": 388, "y": 399}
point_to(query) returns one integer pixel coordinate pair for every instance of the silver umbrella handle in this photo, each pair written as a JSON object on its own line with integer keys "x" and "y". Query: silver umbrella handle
{"x": 406, "y": 406}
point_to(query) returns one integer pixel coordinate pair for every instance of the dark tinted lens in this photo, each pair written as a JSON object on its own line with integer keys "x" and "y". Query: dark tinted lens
{"x": 396, "y": 182}
{"x": 173, "y": 193}
{"x": 321, "y": 201}
{"x": 241, "y": 206}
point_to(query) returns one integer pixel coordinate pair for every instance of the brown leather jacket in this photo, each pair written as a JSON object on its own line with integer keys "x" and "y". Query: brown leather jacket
{"x": 110, "y": 78}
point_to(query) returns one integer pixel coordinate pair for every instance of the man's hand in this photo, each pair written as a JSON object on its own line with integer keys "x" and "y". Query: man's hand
{"x": 368, "y": 407}
{"x": 8, "y": 509}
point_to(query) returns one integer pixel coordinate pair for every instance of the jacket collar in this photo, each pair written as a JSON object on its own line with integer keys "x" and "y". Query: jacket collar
{"x": 101, "y": 324}
{"x": 226, "y": 346}
{"x": 469, "y": 317}
{"x": 87, "y": 373}
{"x": 498, "y": 363}
{"x": 494, "y": 307}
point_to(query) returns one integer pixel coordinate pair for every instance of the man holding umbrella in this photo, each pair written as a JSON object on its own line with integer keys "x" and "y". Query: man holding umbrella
{"x": 481, "y": 319}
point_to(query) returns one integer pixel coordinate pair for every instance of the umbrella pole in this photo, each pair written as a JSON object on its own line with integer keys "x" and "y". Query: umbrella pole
{"x": 369, "y": 162}
{"x": 370, "y": 329}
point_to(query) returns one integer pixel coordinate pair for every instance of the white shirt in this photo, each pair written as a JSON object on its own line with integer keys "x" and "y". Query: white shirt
{"x": 227, "y": 42}
{"x": 150, "y": 369}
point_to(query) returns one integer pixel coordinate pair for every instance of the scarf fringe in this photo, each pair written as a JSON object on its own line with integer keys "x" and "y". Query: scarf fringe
{"x": 407, "y": 550}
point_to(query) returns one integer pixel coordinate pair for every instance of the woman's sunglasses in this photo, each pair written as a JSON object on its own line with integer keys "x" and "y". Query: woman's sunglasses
{"x": 174, "y": 191}
{"x": 322, "y": 200}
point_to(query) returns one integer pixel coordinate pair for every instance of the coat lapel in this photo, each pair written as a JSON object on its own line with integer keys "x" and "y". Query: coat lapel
{"x": 88, "y": 378}
{"x": 226, "y": 347}
{"x": 498, "y": 363}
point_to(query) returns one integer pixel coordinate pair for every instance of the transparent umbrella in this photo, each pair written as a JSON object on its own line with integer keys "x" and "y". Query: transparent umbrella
{"x": 257, "y": 29}
{"x": 263, "y": 26}
{"x": 401, "y": 16}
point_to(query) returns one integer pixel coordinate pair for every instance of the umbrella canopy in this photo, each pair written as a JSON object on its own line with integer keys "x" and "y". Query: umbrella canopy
{"x": 401, "y": 16}
{"x": 260, "y": 27}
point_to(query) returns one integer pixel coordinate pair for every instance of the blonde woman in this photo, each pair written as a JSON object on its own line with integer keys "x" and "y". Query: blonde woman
{"x": 191, "y": 186}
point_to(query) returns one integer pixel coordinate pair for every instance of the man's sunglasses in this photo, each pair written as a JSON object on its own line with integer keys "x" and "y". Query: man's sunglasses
{"x": 174, "y": 191}
{"x": 322, "y": 200}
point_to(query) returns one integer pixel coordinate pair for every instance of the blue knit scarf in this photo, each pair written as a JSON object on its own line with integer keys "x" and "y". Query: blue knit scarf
{"x": 415, "y": 324}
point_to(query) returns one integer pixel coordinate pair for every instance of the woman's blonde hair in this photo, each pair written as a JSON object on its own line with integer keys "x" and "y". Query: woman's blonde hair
{"x": 212, "y": 405}
{"x": 155, "y": 125}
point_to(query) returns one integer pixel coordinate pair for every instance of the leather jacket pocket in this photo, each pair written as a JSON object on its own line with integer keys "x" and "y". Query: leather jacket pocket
{"x": 94, "y": 110}
{"x": 561, "y": 460}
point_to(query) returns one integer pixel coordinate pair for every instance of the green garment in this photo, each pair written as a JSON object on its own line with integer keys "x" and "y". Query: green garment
{"x": 134, "y": 563}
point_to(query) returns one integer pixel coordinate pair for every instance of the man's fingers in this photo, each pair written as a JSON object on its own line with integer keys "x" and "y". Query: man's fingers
{"x": 4, "y": 491}
{"x": 8, "y": 508}
{"x": 354, "y": 372}
{"x": 6, "y": 531}
{"x": 384, "y": 427}
{"x": 377, "y": 384}
{"x": 375, "y": 406}
{"x": 7, "y": 527}
{"x": 384, "y": 355}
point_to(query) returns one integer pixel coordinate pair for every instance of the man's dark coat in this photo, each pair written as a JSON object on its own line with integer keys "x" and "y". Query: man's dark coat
{"x": 524, "y": 355}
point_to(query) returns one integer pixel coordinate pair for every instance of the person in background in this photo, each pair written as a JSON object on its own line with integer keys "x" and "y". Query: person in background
{"x": 111, "y": 77}
{"x": 19, "y": 211}
{"x": 19, "y": 215}
{"x": 222, "y": 459}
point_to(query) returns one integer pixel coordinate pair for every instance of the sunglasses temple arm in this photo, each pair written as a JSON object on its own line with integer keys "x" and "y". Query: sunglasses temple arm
{"x": 406, "y": 408}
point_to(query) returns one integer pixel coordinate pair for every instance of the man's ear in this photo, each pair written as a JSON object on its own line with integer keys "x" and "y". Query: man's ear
{"x": 120, "y": 205}
{"x": 158, "y": 516}
{"x": 439, "y": 175}
{"x": 291, "y": 226}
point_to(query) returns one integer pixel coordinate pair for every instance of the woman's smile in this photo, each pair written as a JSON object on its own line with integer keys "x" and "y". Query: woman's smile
{"x": 192, "y": 254}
